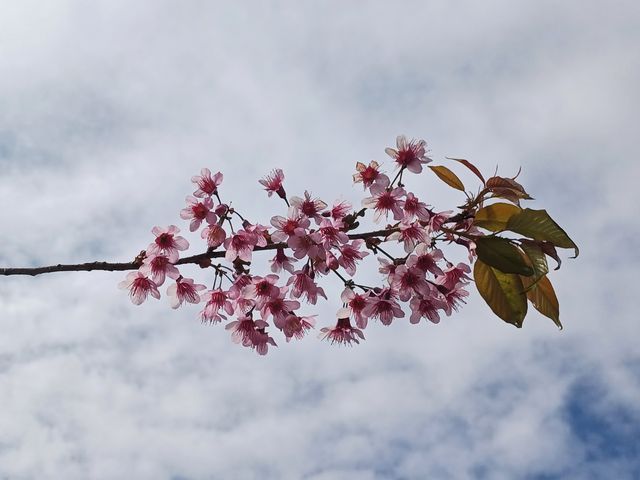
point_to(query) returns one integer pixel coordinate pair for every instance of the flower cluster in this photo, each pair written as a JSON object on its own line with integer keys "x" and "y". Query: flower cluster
{"x": 309, "y": 242}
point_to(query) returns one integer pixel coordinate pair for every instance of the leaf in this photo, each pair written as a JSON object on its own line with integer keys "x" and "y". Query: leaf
{"x": 470, "y": 166}
{"x": 501, "y": 254}
{"x": 543, "y": 298}
{"x": 550, "y": 250}
{"x": 503, "y": 292}
{"x": 538, "y": 225}
{"x": 448, "y": 177}
{"x": 507, "y": 188}
{"x": 495, "y": 217}
{"x": 537, "y": 257}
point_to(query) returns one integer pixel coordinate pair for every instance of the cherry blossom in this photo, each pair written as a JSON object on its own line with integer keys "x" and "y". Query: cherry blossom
{"x": 408, "y": 281}
{"x": 409, "y": 154}
{"x": 158, "y": 267}
{"x": 349, "y": 254}
{"x": 304, "y": 286}
{"x": 273, "y": 183}
{"x": 311, "y": 208}
{"x": 215, "y": 301}
{"x": 368, "y": 175}
{"x": 184, "y": 290}
{"x": 414, "y": 208}
{"x": 355, "y": 303}
{"x": 343, "y": 333}
{"x": 281, "y": 261}
{"x": 411, "y": 234}
{"x": 331, "y": 234}
{"x": 453, "y": 275}
{"x": 215, "y": 235}
{"x": 240, "y": 245}
{"x": 167, "y": 242}
{"x": 383, "y": 306}
{"x": 198, "y": 211}
{"x": 206, "y": 183}
{"x": 261, "y": 289}
{"x": 384, "y": 201}
{"x": 340, "y": 209}
{"x": 285, "y": 227}
{"x": 139, "y": 286}
{"x": 251, "y": 333}
{"x": 428, "y": 307}
{"x": 294, "y": 326}
{"x": 305, "y": 244}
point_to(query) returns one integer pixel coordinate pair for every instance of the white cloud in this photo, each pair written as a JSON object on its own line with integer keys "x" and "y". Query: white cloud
{"x": 106, "y": 112}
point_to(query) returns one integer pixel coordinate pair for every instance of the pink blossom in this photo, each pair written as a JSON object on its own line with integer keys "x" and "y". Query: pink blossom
{"x": 437, "y": 220}
{"x": 305, "y": 244}
{"x": 426, "y": 307}
{"x": 261, "y": 289}
{"x": 340, "y": 210}
{"x": 454, "y": 275}
{"x": 383, "y": 201}
{"x": 251, "y": 333}
{"x": 285, "y": 227}
{"x": 304, "y": 286}
{"x": 139, "y": 287}
{"x": 259, "y": 231}
{"x": 409, "y": 154}
{"x": 426, "y": 260}
{"x": 198, "y": 211}
{"x": 294, "y": 326}
{"x": 239, "y": 282}
{"x": 415, "y": 208}
{"x": 281, "y": 261}
{"x": 216, "y": 300}
{"x": 278, "y": 306}
{"x": 215, "y": 235}
{"x": 184, "y": 290}
{"x": 453, "y": 297}
{"x": 356, "y": 303}
{"x": 383, "y": 306}
{"x": 311, "y": 208}
{"x": 273, "y": 183}
{"x": 350, "y": 254}
{"x": 386, "y": 267}
{"x": 207, "y": 184}
{"x": 343, "y": 333}
{"x": 410, "y": 234}
{"x": 261, "y": 340}
{"x": 240, "y": 246}
{"x": 167, "y": 242}
{"x": 368, "y": 175}
{"x": 330, "y": 262}
{"x": 409, "y": 281}
{"x": 221, "y": 209}
{"x": 331, "y": 234}
{"x": 158, "y": 267}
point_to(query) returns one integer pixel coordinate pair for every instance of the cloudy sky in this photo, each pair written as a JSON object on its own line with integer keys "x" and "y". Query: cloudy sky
{"x": 107, "y": 108}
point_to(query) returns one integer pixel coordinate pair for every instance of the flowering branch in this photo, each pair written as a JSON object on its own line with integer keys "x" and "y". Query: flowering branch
{"x": 508, "y": 272}
{"x": 137, "y": 263}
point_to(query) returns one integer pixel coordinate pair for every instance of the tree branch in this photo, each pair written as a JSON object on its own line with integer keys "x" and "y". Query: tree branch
{"x": 197, "y": 259}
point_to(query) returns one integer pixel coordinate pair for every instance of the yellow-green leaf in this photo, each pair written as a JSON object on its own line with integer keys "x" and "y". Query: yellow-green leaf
{"x": 538, "y": 225}
{"x": 470, "y": 166}
{"x": 503, "y": 292}
{"x": 495, "y": 217}
{"x": 543, "y": 298}
{"x": 536, "y": 256}
{"x": 448, "y": 177}
{"x": 500, "y": 253}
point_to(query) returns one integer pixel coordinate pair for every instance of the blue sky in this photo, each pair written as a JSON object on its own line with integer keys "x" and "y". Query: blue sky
{"x": 107, "y": 110}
